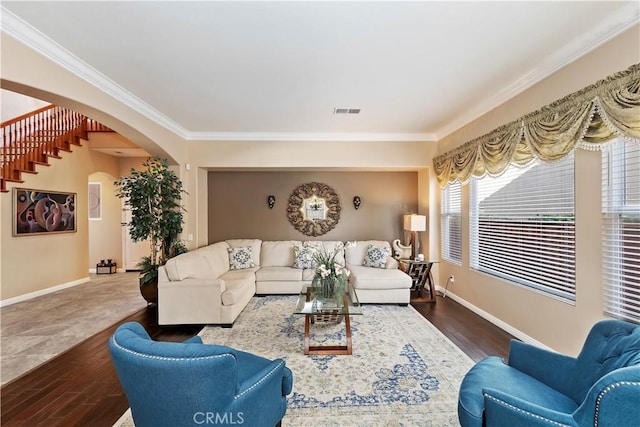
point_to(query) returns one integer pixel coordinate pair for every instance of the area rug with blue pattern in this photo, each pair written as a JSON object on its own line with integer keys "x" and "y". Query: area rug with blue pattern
{"x": 403, "y": 371}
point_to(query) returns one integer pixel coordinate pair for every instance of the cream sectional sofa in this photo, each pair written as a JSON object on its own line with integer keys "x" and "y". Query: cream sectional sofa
{"x": 202, "y": 286}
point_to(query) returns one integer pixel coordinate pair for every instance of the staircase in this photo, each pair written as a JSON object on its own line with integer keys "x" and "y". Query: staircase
{"x": 34, "y": 138}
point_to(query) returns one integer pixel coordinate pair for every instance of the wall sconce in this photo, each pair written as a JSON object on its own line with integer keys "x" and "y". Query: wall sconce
{"x": 357, "y": 202}
{"x": 271, "y": 201}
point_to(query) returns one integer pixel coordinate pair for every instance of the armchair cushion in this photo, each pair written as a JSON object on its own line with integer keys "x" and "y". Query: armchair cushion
{"x": 491, "y": 377}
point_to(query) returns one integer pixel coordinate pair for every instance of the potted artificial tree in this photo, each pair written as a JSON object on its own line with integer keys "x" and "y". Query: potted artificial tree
{"x": 153, "y": 196}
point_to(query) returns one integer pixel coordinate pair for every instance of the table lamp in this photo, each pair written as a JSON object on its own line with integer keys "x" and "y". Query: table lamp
{"x": 415, "y": 223}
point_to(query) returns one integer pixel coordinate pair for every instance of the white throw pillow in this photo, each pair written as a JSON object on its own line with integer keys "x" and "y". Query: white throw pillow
{"x": 240, "y": 257}
{"x": 377, "y": 256}
{"x": 303, "y": 257}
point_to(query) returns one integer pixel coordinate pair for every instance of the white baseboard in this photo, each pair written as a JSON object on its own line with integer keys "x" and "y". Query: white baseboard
{"x": 491, "y": 318}
{"x": 118, "y": 270}
{"x": 41, "y": 292}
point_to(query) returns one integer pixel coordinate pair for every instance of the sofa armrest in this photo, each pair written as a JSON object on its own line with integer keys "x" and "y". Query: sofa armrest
{"x": 209, "y": 284}
{"x": 551, "y": 368}
{"x": 392, "y": 263}
{"x": 502, "y": 409}
{"x": 190, "y": 301}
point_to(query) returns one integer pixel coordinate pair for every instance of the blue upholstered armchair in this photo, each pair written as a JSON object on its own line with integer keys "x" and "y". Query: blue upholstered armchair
{"x": 190, "y": 383}
{"x": 601, "y": 387}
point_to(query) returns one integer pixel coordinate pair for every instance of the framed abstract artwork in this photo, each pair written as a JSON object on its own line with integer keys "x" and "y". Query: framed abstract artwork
{"x": 43, "y": 212}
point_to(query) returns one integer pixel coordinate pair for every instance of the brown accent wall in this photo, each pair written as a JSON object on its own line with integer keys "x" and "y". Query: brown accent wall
{"x": 237, "y": 203}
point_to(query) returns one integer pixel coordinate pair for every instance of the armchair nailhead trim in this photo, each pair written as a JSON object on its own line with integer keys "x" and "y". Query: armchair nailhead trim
{"x": 261, "y": 379}
{"x": 606, "y": 390}
{"x": 522, "y": 411}
{"x": 148, "y": 356}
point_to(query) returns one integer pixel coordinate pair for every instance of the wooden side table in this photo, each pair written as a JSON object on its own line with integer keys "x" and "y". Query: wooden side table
{"x": 106, "y": 268}
{"x": 420, "y": 272}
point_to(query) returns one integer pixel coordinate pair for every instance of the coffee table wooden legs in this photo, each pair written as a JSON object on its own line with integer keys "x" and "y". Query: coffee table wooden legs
{"x": 339, "y": 350}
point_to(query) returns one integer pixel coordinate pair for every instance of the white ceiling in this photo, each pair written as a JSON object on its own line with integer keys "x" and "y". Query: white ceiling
{"x": 276, "y": 70}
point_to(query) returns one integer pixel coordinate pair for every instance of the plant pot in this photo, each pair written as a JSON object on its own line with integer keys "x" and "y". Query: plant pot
{"x": 149, "y": 292}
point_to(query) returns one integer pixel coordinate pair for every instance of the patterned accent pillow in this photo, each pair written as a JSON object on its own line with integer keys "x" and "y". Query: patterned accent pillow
{"x": 240, "y": 257}
{"x": 303, "y": 257}
{"x": 377, "y": 256}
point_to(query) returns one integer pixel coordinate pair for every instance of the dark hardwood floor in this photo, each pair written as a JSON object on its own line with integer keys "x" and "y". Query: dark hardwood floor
{"x": 80, "y": 386}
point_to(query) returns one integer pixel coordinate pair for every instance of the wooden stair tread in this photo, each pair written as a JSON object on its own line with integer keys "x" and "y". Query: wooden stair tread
{"x": 60, "y": 132}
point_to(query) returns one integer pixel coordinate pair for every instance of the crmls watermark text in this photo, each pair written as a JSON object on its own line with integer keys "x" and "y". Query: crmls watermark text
{"x": 217, "y": 418}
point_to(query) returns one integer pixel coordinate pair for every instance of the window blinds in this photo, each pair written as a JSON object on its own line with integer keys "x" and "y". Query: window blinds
{"x": 621, "y": 229}
{"x": 451, "y": 223}
{"x": 523, "y": 226}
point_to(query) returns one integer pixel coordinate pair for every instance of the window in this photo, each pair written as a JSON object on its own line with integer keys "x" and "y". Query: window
{"x": 621, "y": 229}
{"x": 523, "y": 226}
{"x": 450, "y": 224}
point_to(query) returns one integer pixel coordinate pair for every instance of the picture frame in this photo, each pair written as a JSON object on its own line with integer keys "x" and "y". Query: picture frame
{"x": 95, "y": 200}
{"x": 37, "y": 212}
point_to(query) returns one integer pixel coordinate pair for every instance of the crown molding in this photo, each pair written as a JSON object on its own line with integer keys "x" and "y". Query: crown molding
{"x": 310, "y": 136}
{"x": 620, "y": 22}
{"x": 34, "y": 39}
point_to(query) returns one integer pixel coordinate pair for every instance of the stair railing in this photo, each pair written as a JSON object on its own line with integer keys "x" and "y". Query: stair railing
{"x": 30, "y": 139}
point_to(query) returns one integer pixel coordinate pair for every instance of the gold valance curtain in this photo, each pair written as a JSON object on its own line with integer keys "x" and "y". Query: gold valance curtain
{"x": 584, "y": 119}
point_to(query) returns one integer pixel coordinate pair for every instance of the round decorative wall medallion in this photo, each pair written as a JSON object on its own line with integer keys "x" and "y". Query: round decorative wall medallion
{"x": 314, "y": 209}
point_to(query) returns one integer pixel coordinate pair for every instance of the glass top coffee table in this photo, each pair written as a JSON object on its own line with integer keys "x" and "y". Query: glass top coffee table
{"x": 318, "y": 309}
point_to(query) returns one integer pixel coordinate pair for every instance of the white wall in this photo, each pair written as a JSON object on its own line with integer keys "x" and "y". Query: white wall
{"x": 14, "y": 104}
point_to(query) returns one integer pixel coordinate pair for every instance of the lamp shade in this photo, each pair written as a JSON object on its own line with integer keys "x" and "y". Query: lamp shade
{"x": 415, "y": 222}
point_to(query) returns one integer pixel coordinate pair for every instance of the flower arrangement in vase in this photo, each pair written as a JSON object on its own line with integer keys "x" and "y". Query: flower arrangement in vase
{"x": 331, "y": 276}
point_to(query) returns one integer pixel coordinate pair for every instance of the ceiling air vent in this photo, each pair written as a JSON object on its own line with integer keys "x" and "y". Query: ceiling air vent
{"x": 346, "y": 111}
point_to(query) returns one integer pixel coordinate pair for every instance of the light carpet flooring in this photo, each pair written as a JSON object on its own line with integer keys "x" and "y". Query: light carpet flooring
{"x": 35, "y": 331}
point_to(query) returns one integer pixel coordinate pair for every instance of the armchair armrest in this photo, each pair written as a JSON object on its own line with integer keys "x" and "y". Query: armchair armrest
{"x": 264, "y": 391}
{"x": 613, "y": 400}
{"x": 502, "y": 409}
{"x": 261, "y": 379}
{"x": 548, "y": 367}
{"x": 193, "y": 340}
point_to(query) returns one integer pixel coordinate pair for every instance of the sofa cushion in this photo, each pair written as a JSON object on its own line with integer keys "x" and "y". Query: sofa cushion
{"x": 356, "y": 253}
{"x": 278, "y": 273}
{"x": 240, "y": 274}
{"x": 255, "y": 244}
{"x": 375, "y": 278}
{"x": 308, "y": 273}
{"x": 190, "y": 265}
{"x": 377, "y": 256}
{"x": 278, "y": 253}
{"x": 303, "y": 257}
{"x": 218, "y": 257}
{"x": 240, "y": 257}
